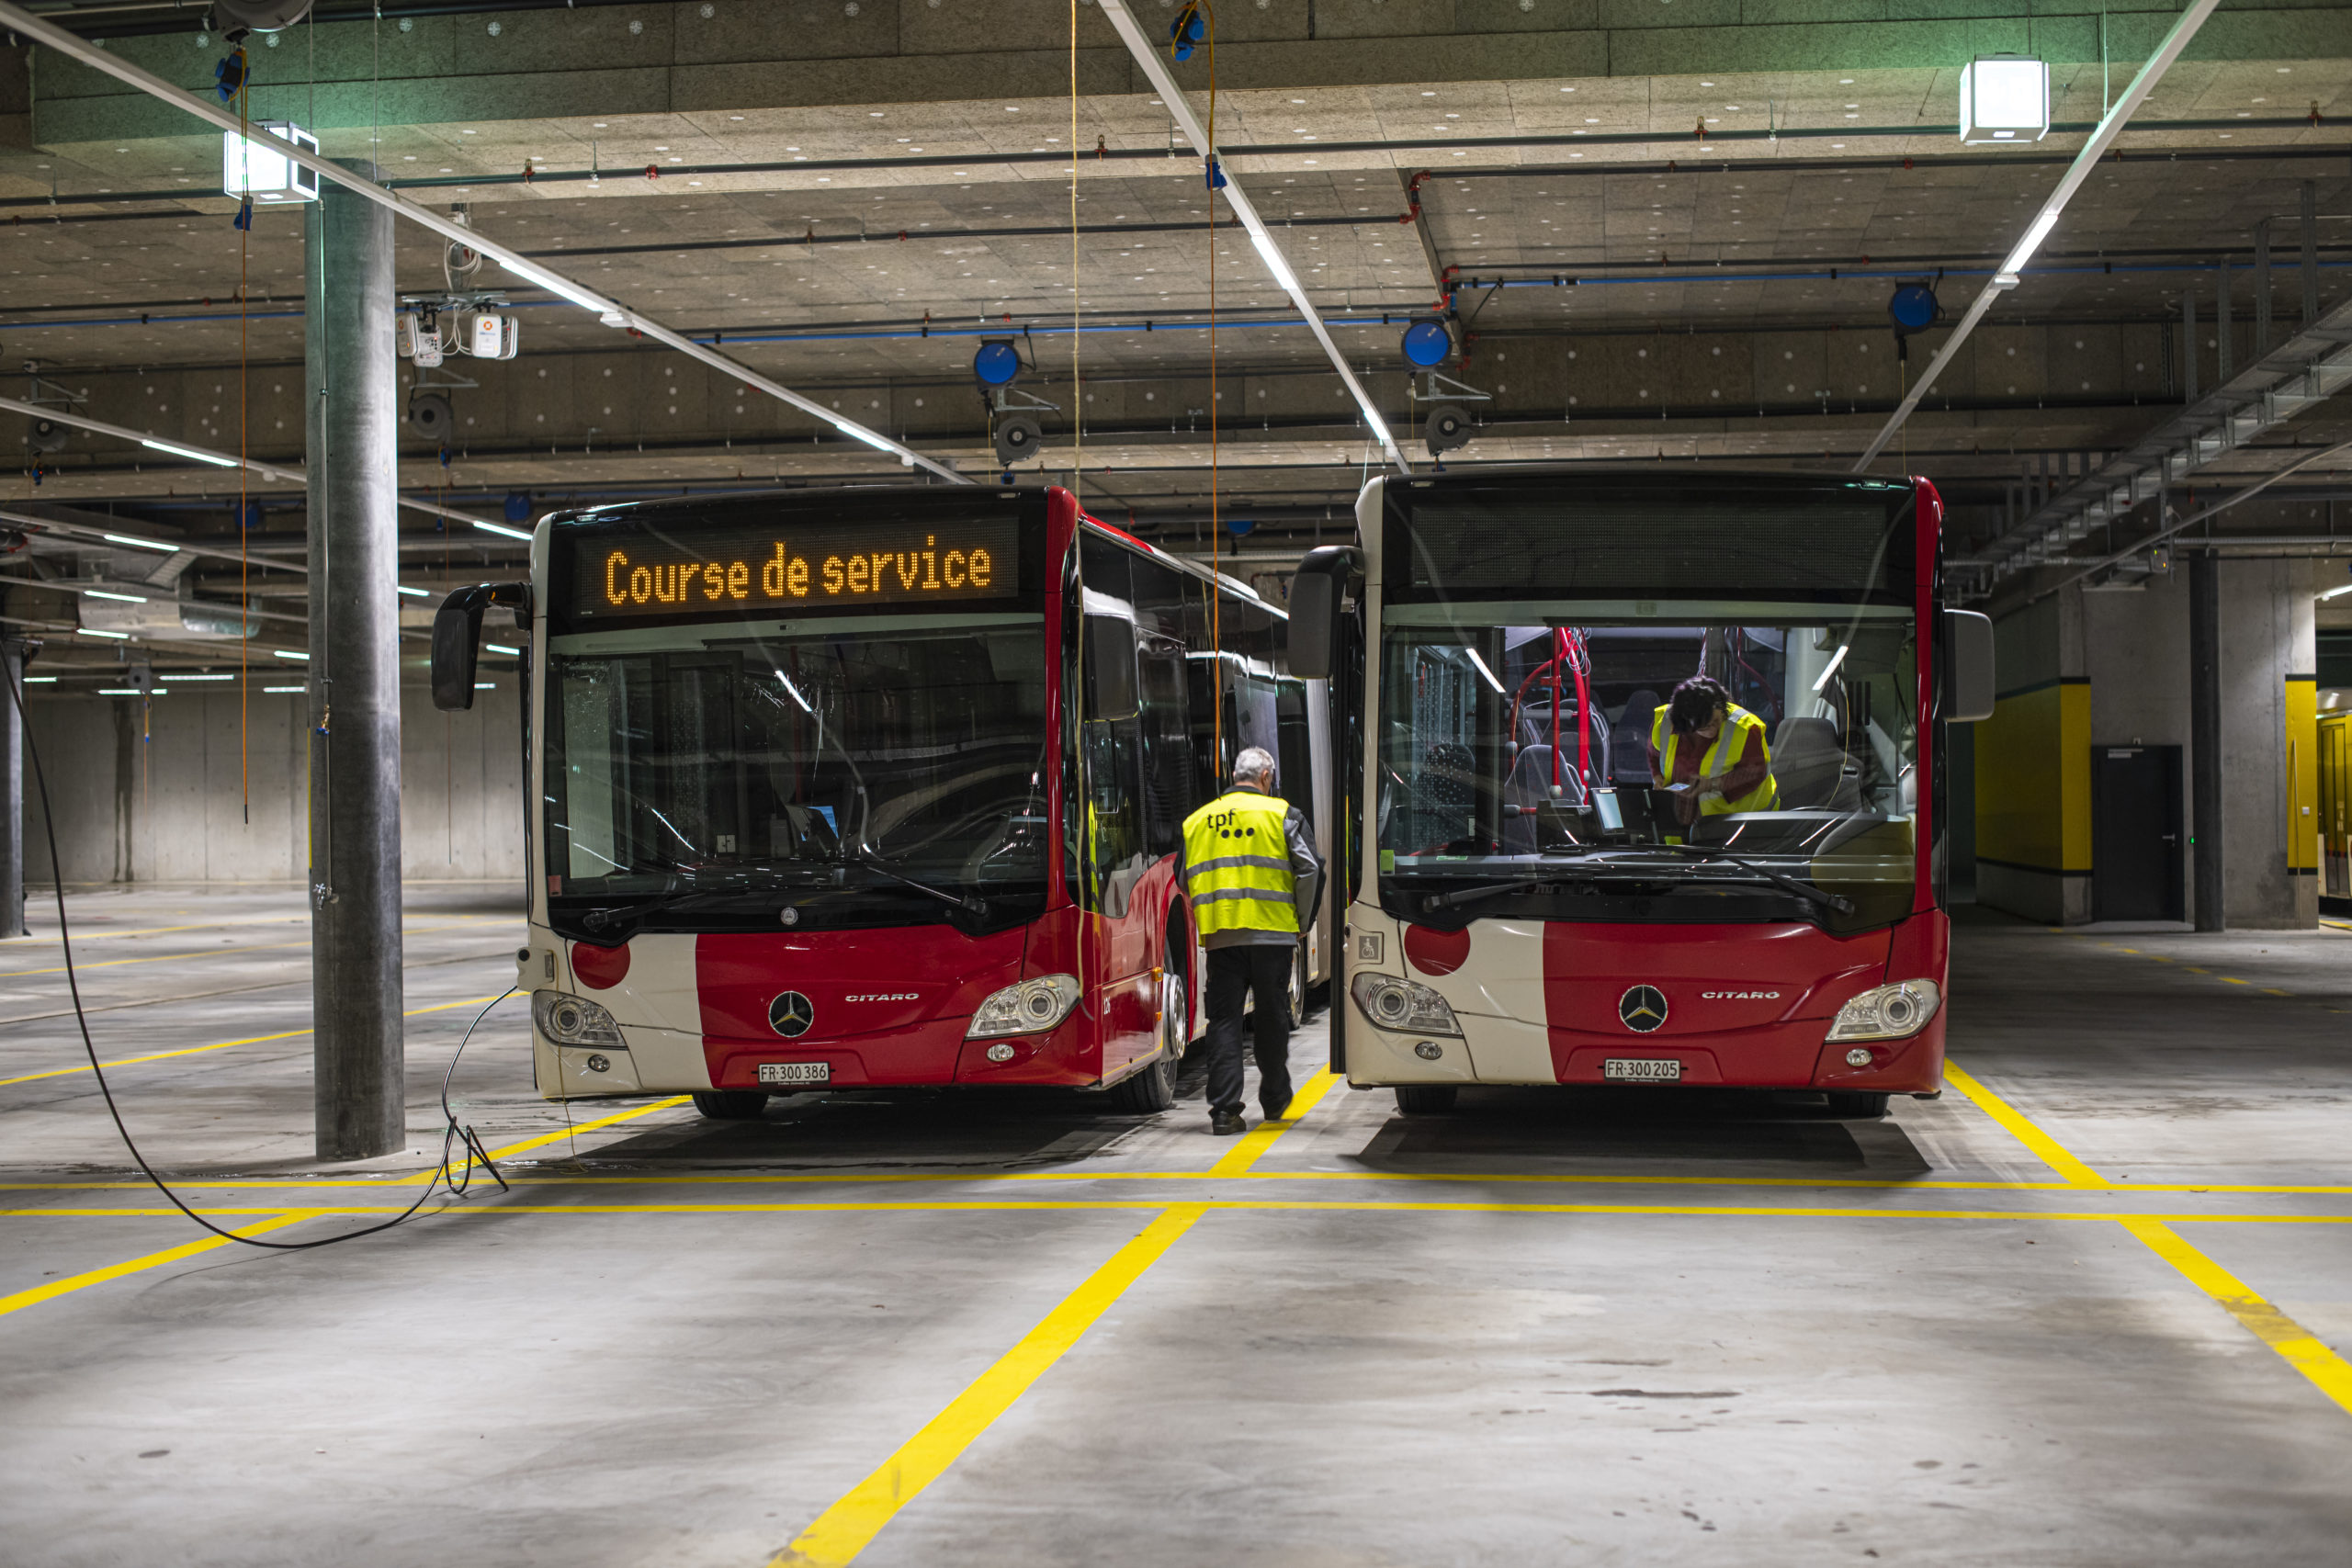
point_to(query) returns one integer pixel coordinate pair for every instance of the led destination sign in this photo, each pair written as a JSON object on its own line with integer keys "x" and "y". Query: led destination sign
{"x": 673, "y": 571}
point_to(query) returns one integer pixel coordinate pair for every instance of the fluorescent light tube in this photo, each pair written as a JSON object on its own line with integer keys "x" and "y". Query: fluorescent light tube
{"x": 502, "y": 648}
{"x": 2031, "y": 242}
{"x": 39, "y": 680}
{"x": 2334, "y": 591}
{"x": 118, "y": 598}
{"x": 141, "y": 544}
{"x": 283, "y": 689}
{"x": 879, "y": 443}
{"x": 555, "y": 285}
{"x": 289, "y": 653}
{"x": 122, "y": 691}
{"x": 1830, "y": 669}
{"x": 93, "y": 631}
{"x": 191, "y": 454}
{"x": 412, "y": 592}
{"x": 502, "y": 529}
{"x": 196, "y": 677}
{"x": 1489, "y": 674}
{"x": 796, "y": 694}
{"x": 485, "y": 686}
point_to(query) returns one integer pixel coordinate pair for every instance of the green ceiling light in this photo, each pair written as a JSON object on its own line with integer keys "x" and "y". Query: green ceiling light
{"x": 2003, "y": 97}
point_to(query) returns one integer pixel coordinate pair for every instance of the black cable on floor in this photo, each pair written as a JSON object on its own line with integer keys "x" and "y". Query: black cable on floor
{"x": 452, "y": 1133}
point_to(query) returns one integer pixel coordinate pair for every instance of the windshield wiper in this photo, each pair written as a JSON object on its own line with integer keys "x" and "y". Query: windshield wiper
{"x": 1835, "y": 901}
{"x": 1462, "y": 895}
{"x": 599, "y": 920}
{"x": 976, "y": 908}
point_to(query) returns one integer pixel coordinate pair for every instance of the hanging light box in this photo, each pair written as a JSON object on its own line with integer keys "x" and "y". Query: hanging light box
{"x": 252, "y": 168}
{"x": 2003, "y": 97}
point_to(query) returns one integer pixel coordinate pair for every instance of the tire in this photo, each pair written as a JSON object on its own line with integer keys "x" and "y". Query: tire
{"x": 1148, "y": 1092}
{"x": 1297, "y": 999}
{"x": 732, "y": 1104}
{"x": 1424, "y": 1099}
{"x": 1856, "y": 1105}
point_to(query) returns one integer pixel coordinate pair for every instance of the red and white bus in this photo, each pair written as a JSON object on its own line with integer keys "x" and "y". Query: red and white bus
{"x": 1524, "y": 907}
{"x": 874, "y": 788}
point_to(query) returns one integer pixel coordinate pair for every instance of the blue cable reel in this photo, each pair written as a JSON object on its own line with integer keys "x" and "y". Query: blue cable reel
{"x": 1914, "y": 307}
{"x": 1427, "y": 344}
{"x": 996, "y": 363}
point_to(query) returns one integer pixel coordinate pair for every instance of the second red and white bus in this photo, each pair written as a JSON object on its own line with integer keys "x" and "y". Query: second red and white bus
{"x": 1523, "y": 906}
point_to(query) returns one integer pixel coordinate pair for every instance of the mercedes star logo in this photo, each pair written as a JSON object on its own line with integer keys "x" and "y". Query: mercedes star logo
{"x": 791, "y": 1014}
{"x": 1641, "y": 1009}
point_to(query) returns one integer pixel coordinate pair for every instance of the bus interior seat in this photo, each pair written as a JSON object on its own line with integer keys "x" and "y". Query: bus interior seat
{"x": 1629, "y": 740}
{"x": 1809, "y": 766}
{"x": 1530, "y": 784}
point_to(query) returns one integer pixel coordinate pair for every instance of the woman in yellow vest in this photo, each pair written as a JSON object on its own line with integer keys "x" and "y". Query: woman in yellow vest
{"x": 1702, "y": 741}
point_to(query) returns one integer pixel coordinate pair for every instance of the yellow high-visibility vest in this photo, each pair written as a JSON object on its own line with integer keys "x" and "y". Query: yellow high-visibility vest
{"x": 1237, "y": 865}
{"x": 1739, "y": 724}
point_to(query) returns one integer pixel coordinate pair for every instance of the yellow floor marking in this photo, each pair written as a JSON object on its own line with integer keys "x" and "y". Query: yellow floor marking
{"x": 1259, "y": 1139}
{"x": 2051, "y": 1152}
{"x": 56, "y": 1288}
{"x": 225, "y": 1045}
{"x": 544, "y": 1139}
{"x": 846, "y": 1529}
{"x": 81, "y": 935}
{"x": 2234, "y": 980}
{"x": 2296, "y": 1344}
{"x": 229, "y": 950}
{"x": 2274, "y": 991}
{"x": 1269, "y": 1205}
{"x": 2194, "y": 970}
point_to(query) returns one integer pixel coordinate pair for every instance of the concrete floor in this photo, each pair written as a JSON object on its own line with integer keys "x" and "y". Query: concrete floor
{"x": 1546, "y": 1329}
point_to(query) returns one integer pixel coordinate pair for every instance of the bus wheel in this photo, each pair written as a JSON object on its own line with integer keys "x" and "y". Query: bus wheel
{"x": 1854, "y": 1105}
{"x": 732, "y": 1104}
{"x": 1424, "y": 1099}
{"x": 1149, "y": 1091}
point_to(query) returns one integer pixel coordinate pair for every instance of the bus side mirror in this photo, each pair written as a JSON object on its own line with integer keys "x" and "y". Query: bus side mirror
{"x": 1111, "y": 666}
{"x": 457, "y": 637}
{"x": 1316, "y": 591}
{"x": 1967, "y": 667}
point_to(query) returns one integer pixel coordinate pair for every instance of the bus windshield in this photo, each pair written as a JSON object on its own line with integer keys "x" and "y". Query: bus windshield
{"x": 864, "y": 768}
{"x": 1539, "y": 744}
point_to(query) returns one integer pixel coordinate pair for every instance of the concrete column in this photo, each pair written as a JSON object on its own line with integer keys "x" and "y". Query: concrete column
{"x": 2262, "y": 288}
{"x": 355, "y": 741}
{"x": 2205, "y": 739}
{"x": 12, "y": 791}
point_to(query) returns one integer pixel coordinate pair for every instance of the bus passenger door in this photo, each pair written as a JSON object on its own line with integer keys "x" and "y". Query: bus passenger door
{"x": 1118, "y": 862}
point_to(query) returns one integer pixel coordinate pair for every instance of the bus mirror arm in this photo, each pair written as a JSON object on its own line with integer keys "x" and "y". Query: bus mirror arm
{"x": 457, "y": 637}
{"x": 1317, "y": 591}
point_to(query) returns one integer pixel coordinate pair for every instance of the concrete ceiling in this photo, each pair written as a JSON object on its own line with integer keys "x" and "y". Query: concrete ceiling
{"x": 840, "y": 207}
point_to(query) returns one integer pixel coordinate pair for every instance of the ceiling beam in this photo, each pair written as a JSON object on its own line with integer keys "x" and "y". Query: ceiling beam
{"x": 2109, "y": 127}
{"x": 1146, "y": 56}
{"x": 613, "y": 313}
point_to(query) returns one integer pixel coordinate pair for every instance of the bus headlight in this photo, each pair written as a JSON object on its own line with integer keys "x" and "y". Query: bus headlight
{"x": 1890, "y": 1012}
{"x": 1026, "y": 1008}
{"x": 573, "y": 1020}
{"x": 1401, "y": 1005}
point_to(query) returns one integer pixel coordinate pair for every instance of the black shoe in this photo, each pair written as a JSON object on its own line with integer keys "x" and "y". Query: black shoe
{"x": 1275, "y": 1113}
{"x": 1225, "y": 1123}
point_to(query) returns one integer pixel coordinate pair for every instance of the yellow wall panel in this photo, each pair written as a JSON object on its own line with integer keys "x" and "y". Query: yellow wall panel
{"x": 2303, "y": 772}
{"x": 2033, "y": 783}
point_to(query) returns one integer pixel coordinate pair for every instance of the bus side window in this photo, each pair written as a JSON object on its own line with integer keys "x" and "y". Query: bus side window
{"x": 1291, "y": 756}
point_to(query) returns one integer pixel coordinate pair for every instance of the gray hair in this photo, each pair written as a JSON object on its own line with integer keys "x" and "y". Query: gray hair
{"x": 1255, "y": 763}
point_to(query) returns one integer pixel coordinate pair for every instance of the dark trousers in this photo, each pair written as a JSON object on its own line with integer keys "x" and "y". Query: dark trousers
{"x": 1263, "y": 971}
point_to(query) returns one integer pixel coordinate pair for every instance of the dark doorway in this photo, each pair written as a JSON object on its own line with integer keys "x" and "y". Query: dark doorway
{"x": 2136, "y": 833}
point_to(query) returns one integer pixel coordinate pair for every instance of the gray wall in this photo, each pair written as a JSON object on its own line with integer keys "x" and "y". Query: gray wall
{"x": 158, "y": 799}
{"x": 2266, "y": 635}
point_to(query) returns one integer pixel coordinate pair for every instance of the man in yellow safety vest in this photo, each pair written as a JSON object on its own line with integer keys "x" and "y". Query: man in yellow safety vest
{"x": 1711, "y": 751}
{"x": 1251, "y": 870}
